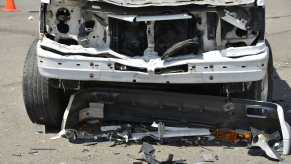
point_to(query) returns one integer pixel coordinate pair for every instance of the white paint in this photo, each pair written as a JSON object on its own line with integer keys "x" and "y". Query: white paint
{"x": 224, "y": 69}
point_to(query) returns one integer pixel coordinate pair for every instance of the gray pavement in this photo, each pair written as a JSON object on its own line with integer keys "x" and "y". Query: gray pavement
{"x": 20, "y": 142}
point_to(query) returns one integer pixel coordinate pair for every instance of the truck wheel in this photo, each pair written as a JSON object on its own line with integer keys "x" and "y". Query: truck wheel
{"x": 262, "y": 90}
{"x": 43, "y": 103}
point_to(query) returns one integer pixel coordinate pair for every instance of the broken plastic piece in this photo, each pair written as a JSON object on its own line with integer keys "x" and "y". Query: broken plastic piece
{"x": 232, "y": 136}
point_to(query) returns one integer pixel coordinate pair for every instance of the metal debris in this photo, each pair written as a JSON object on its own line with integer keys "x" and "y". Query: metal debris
{"x": 233, "y": 19}
{"x": 149, "y": 153}
{"x": 170, "y": 132}
{"x": 127, "y": 133}
{"x": 113, "y": 133}
{"x": 261, "y": 141}
{"x": 158, "y": 132}
{"x": 110, "y": 128}
{"x": 149, "y": 156}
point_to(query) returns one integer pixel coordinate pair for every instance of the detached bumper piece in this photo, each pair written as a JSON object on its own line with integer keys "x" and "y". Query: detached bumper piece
{"x": 260, "y": 124}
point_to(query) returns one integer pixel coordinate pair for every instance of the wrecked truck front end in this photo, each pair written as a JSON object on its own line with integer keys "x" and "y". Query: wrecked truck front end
{"x": 177, "y": 43}
{"x": 142, "y": 61}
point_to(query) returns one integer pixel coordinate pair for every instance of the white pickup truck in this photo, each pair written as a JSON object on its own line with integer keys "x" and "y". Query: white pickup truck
{"x": 205, "y": 47}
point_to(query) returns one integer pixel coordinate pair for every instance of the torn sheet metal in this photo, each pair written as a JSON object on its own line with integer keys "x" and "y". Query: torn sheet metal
{"x": 285, "y": 130}
{"x": 244, "y": 51}
{"x": 135, "y": 3}
{"x": 110, "y": 128}
{"x": 135, "y": 18}
{"x": 163, "y": 134}
{"x": 262, "y": 141}
{"x": 77, "y": 67}
{"x": 257, "y": 114}
{"x": 240, "y": 23}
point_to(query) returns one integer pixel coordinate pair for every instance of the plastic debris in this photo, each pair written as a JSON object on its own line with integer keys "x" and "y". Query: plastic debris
{"x": 232, "y": 136}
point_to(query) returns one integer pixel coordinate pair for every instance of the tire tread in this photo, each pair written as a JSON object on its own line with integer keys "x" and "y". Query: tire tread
{"x": 42, "y": 102}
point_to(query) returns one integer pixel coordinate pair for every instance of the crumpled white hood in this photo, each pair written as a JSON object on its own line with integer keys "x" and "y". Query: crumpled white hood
{"x": 141, "y": 3}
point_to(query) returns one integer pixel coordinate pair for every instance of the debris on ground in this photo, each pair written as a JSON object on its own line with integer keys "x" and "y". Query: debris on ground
{"x": 232, "y": 136}
{"x": 149, "y": 156}
{"x": 131, "y": 133}
{"x": 261, "y": 141}
{"x": 91, "y": 130}
{"x": 159, "y": 133}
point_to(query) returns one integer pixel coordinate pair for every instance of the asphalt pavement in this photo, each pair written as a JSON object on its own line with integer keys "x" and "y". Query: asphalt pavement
{"x": 23, "y": 142}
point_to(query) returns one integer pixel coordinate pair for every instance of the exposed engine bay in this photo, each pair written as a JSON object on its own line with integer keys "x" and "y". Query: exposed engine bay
{"x": 156, "y": 31}
{"x": 154, "y": 44}
{"x": 198, "y": 66}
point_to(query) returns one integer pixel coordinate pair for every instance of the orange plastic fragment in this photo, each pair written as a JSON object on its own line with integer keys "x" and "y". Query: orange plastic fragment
{"x": 232, "y": 136}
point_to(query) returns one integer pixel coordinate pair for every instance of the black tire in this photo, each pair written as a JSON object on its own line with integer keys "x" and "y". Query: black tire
{"x": 256, "y": 89}
{"x": 43, "y": 103}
